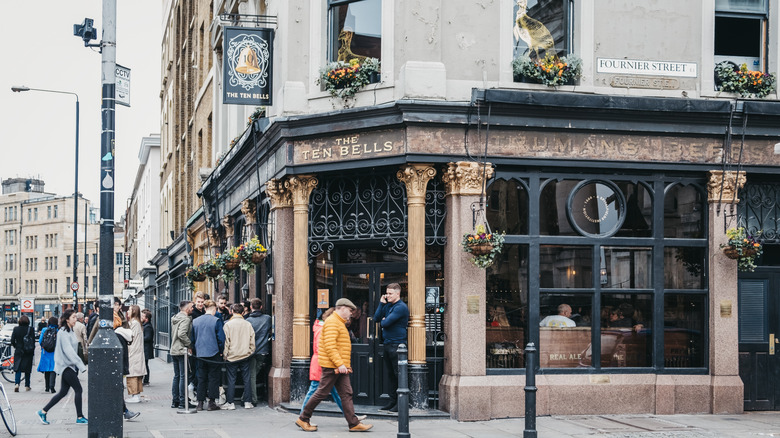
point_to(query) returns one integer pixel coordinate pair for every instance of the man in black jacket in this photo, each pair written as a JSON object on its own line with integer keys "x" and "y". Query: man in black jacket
{"x": 146, "y": 318}
{"x": 259, "y": 361}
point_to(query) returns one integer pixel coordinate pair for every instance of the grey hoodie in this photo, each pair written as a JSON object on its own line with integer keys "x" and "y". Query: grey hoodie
{"x": 181, "y": 331}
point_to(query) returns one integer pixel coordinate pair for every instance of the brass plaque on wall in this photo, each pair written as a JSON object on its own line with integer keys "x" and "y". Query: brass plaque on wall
{"x": 725, "y": 308}
{"x": 644, "y": 82}
{"x": 472, "y": 304}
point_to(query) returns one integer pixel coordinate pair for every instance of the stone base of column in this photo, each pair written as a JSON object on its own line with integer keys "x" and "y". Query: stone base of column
{"x": 278, "y": 386}
{"x": 299, "y": 380}
{"x": 418, "y": 386}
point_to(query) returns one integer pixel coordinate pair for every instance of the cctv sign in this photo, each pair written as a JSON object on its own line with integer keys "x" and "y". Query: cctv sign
{"x": 122, "y": 90}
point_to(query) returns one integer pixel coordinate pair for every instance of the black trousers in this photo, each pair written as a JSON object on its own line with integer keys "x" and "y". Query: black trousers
{"x": 391, "y": 363}
{"x": 209, "y": 377}
{"x": 69, "y": 379}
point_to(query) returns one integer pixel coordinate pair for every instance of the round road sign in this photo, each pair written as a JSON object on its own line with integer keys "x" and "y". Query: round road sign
{"x": 74, "y": 286}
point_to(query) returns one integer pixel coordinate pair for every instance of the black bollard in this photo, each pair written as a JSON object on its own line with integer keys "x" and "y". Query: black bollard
{"x": 403, "y": 392}
{"x": 105, "y": 387}
{"x": 530, "y": 391}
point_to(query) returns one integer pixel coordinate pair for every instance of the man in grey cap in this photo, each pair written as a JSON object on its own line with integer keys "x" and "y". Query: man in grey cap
{"x": 335, "y": 352}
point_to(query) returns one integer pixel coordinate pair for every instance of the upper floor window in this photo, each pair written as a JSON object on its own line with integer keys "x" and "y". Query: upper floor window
{"x": 48, "y": 212}
{"x": 55, "y": 211}
{"x": 541, "y": 28}
{"x": 355, "y": 29}
{"x": 741, "y": 32}
{"x": 120, "y": 258}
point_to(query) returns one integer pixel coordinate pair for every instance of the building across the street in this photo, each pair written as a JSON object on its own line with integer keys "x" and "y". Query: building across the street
{"x": 601, "y": 139}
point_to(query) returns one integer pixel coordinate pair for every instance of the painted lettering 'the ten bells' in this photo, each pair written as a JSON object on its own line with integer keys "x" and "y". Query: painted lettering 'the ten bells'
{"x": 347, "y": 148}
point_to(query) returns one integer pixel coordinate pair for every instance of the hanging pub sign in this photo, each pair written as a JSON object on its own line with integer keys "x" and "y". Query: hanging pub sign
{"x": 247, "y": 66}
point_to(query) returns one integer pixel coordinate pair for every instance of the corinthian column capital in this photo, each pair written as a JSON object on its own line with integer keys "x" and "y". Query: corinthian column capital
{"x": 466, "y": 177}
{"x": 416, "y": 177}
{"x": 279, "y": 195}
{"x": 300, "y": 187}
{"x": 249, "y": 210}
{"x": 728, "y": 182}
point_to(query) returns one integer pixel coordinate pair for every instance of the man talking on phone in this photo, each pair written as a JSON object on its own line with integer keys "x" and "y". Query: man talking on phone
{"x": 393, "y": 316}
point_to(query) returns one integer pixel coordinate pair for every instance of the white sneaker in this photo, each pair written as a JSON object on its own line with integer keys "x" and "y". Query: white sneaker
{"x": 248, "y": 405}
{"x": 228, "y": 407}
{"x": 133, "y": 399}
{"x": 191, "y": 392}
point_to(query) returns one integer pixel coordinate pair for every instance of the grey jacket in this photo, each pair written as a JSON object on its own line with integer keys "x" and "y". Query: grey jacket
{"x": 66, "y": 352}
{"x": 181, "y": 329}
{"x": 262, "y": 325}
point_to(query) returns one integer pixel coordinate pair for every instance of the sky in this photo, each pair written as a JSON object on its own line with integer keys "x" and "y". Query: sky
{"x": 37, "y": 129}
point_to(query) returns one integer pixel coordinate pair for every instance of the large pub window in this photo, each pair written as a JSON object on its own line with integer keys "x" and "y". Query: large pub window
{"x": 355, "y": 29}
{"x": 601, "y": 272}
{"x": 741, "y": 32}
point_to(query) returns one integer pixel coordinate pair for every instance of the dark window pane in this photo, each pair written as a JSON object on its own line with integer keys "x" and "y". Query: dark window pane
{"x": 561, "y": 344}
{"x": 507, "y": 207}
{"x": 552, "y": 209}
{"x": 507, "y": 308}
{"x": 566, "y": 266}
{"x": 626, "y": 339}
{"x": 684, "y": 268}
{"x": 639, "y": 211}
{"x": 356, "y": 30}
{"x": 738, "y": 37}
{"x": 683, "y": 207}
{"x": 684, "y": 320}
{"x": 626, "y": 268}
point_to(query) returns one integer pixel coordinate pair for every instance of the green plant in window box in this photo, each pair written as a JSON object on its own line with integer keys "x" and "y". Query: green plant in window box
{"x": 743, "y": 81}
{"x": 551, "y": 71}
{"x": 483, "y": 246}
{"x": 742, "y": 247}
{"x": 345, "y": 79}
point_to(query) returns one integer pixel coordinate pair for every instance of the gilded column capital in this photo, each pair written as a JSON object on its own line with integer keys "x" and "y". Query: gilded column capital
{"x": 249, "y": 210}
{"x": 300, "y": 187}
{"x": 416, "y": 177}
{"x": 213, "y": 235}
{"x": 729, "y": 181}
{"x": 227, "y": 222}
{"x": 279, "y": 195}
{"x": 466, "y": 177}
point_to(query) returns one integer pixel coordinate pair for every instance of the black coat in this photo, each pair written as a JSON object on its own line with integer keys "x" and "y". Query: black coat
{"x": 22, "y": 362}
{"x": 148, "y": 340}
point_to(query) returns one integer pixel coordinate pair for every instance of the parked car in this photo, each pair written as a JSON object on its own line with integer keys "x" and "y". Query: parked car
{"x": 6, "y": 331}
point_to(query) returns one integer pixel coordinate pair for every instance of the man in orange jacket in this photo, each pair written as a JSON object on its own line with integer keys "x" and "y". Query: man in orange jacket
{"x": 335, "y": 352}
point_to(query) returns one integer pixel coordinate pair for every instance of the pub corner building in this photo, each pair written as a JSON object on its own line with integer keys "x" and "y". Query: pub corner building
{"x": 614, "y": 202}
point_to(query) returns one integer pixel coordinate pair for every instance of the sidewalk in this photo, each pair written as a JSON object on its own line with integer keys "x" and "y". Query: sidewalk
{"x": 158, "y": 420}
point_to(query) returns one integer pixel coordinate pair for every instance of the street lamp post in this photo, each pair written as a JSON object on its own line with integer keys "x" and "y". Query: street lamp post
{"x": 19, "y": 89}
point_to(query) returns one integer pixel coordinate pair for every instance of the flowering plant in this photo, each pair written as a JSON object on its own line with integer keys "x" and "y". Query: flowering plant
{"x": 213, "y": 266}
{"x": 259, "y": 112}
{"x": 345, "y": 79}
{"x": 743, "y": 81}
{"x": 743, "y": 247}
{"x": 246, "y": 252}
{"x": 483, "y": 246}
{"x": 550, "y": 71}
{"x": 193, "y": 274}
{"x": 229, "y": 258}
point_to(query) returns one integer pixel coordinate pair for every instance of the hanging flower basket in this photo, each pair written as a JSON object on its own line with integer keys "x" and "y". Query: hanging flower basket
{"x": 258, "y": 257}
{"x": 199, "y": 277}
{"x": 484, "y": 246}
{"x": 250, "y": 254}
{"x": 212, "y": 271}
{"x": 742, "y": 247}
{"x": 231, "y": 265}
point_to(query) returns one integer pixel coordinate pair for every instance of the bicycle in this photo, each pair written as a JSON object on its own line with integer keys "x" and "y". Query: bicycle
{"x": 6, "y": 412}
{"x": 7, "y": 362}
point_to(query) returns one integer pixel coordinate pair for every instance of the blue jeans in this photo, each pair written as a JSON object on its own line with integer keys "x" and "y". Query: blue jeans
{"x": 313, "y": 388}
{"x": 26, "y": 378}
{"x": 232, "y": 374}
{"x": 178, "y": 391}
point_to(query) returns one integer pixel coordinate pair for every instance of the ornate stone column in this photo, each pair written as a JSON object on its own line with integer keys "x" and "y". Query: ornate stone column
{"x": 727, "y": 389}
{"x": 300, "y": 187}
{"x": 249, "y": 210}
{"x": 282, "y": 297}
{"x": 227, "y": 223}
{"x": 464, "y": 291}
{"x": 416, "y": 177}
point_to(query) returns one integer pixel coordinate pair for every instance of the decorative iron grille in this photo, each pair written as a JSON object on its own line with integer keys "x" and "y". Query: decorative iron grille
{"x": 759, "y": 209}
{"x": 435, "y": 210}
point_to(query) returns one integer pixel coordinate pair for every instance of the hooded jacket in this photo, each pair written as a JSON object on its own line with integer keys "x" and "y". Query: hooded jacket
{"x": 181, "y": 330}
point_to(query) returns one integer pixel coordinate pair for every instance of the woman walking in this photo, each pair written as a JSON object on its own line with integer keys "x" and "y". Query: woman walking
{"x": 46, "y": 364}
{"x": 23, "y": 357}
{"x": 67, "y": 364}
{"x": 135, "y": 352}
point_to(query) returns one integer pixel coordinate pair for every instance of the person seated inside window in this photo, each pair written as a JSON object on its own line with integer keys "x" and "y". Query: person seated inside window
{"x": 561, "y": 319}
{"x": 624, "y": 317}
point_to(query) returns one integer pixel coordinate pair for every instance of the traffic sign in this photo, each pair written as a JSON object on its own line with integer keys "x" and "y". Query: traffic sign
{"x": 74, "y": 286}
{"x": 28, "y": 305}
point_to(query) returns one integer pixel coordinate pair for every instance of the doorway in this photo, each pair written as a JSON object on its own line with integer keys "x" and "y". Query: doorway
{"x": 364, "y": 284}
{"x": 759, "y": 338}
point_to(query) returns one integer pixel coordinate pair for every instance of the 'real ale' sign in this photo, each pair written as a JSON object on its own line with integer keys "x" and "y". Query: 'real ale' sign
{"x": 247, "y": 66}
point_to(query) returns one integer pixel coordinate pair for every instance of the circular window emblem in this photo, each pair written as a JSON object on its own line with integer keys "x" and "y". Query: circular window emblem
{"x": 596, "y": 208}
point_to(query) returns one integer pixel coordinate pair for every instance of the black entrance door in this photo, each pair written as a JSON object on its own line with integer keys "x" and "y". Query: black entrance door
{"x": 759, "y": 339}
{"x": 363, "y": 285}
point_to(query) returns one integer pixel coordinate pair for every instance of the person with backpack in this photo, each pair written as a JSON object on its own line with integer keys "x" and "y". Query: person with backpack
{"x": 48, "y": 342}
{"x": 23, "y": 341}
{"x": 68, "y": 365}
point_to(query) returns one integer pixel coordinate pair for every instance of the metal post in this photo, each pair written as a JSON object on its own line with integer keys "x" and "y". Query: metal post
{"x": 86, "y": 221}
{"x": 530, "y": 391}
{"x": 403, "y": 392}
{"x": 186, "y": 409}
{"x": 105, "y": 373}
{"x": 76, "y": 213}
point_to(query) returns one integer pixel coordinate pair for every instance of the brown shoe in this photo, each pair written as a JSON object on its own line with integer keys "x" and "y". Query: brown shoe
{"x": 305, "y": 425}
{"x": 200, "y": 406}
{"x": 361, "y": 427}
{"x": 213, "y": 406}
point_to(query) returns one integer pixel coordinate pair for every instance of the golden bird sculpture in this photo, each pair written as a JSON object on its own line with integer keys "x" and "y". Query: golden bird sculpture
{"x": 533, "y": 32}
